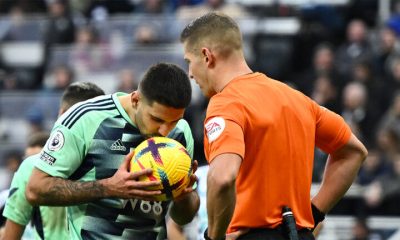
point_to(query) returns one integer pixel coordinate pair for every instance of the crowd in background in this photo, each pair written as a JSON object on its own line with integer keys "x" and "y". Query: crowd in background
{"x": 345, "y": 57}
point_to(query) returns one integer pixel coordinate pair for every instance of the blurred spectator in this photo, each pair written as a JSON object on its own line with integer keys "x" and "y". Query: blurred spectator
{"x": 388, "y": 139}
{"x": 361, "y": 231}
{"x": 62, "y": 76}
{"x": 234, "y": 10}
{"x": 28, "y": 6}
{"x": 12, "y": 159}
{"x": 356, "y": 114}
{"x": 35, "y": 120}
{"x": 146, "y": 34}
{"x": 155, "y": 30}
{"x": 80, "y": 6}
{"x": 89, "y": 54}
{"x": 60, "y": 28}
{"x": 99, "y": 10}
{"x": 12, "y": 27}
{"x": 356, "y": 47}
{"x": 326, "y": 18}
{"x": 322, "y": 65}
{"x": 8, "y": 81}
{"x": 392, "y": 83}
{"x": 325, "y": 93}
{"x": 374, "y": 166}
{"x": 363, "y": 72}
{"x": 319, "y": 24}
{"x": 152, "y": 7}
{"x": 365, "y": 10}
{"x": 385, "y": 191}
{"x": 388, "y": 47}
{"x": 128, "y": 81}
{"x": 175, "y": 4}
{"x": 22, "y": 72}
{"x": 281, "y": 47}
{"x": 35, "y": 143}
{"x": 86, "y": 36}
{"x": 155, "y": 23}
{"x": 392, "y": 116}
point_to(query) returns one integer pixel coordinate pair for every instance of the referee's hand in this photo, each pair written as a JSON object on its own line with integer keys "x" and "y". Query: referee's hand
{"x": 237, "y": 234}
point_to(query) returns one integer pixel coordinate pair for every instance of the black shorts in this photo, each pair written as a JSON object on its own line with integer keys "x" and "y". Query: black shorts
{"x": 274, "y": 234}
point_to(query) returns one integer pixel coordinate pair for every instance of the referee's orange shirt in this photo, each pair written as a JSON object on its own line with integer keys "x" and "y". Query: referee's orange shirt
{"x": 274, "y": 128}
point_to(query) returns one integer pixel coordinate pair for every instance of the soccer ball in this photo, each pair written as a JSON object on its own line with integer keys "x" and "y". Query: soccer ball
{"x": 171, "y": 165}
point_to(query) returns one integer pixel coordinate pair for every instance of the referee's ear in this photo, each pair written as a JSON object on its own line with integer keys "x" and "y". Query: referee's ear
{"x": 208, "y": 56}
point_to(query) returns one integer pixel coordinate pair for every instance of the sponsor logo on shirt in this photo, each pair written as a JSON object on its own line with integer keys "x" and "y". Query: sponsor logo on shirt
{"x": 118, "y": 146}
{"x": 56, "y": 141}
{"x": 214, "y": 127}
{"x": 44, "y": 156}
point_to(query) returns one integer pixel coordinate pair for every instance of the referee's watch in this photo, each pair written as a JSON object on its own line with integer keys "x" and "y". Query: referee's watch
{"x": 206, "y": 237}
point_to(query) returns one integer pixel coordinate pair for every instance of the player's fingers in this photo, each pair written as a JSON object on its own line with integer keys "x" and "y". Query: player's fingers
{"x": 127, "y": 161}
{"x": 137, "y": 174}
{"x": 145, "y": 185}
{"x": 195, "y": 165}
{"x": 192, "y": 185}
{"x": 193, "y": 179}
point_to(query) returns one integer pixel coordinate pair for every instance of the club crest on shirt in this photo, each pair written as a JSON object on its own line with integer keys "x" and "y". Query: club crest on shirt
{"x": 214, "y": 127}
{"x": 56, "y": 142}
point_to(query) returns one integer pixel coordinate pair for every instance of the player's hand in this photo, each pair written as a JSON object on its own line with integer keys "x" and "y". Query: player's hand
{"x": 237, "y": 234}
{"x": 125, "y": 184}
{"x": 192, "y": 185}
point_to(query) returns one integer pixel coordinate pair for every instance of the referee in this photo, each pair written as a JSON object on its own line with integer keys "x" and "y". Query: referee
{"x": 259, "y": 139}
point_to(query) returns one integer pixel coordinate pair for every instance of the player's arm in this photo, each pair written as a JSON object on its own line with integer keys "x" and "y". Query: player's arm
{"x": 44, "y": 189}
{"x": 184, "y": 208}
{"x": 17, "y": 210}
{"x": 174, "y": 230}
{"x": 221, "y": 198}
{"x": 340, "y": 171}
{"x": 12, "y": 231}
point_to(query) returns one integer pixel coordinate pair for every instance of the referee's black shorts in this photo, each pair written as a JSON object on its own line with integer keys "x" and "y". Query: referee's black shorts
{"x": 274, "y": 234}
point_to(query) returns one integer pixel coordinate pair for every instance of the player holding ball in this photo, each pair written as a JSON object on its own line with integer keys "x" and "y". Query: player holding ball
{"x": 85, "y": 163}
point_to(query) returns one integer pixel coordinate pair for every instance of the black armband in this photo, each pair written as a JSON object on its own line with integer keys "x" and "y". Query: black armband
{"x": 317, "y": 215}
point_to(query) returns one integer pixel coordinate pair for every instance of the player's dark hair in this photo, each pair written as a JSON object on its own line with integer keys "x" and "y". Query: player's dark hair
{"x": 166, "y": 84}
{"x": 38, "y": 139}
{"x": 78, "y": 92}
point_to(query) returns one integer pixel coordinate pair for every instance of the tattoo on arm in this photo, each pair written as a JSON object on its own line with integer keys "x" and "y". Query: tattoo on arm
{"x": 66, "y": 192}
